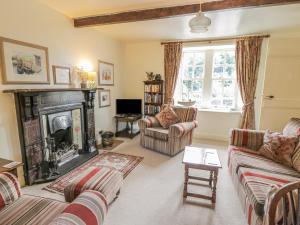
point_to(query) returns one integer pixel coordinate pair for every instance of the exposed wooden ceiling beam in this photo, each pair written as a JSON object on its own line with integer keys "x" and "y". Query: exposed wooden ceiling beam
{"x": 159, "y": 13}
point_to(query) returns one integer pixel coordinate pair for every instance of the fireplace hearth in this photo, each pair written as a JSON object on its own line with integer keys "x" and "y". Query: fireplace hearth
{"x": 56, "y": 130}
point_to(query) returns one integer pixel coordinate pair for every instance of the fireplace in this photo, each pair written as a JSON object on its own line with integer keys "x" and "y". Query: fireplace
{"x": 56, "y": 130}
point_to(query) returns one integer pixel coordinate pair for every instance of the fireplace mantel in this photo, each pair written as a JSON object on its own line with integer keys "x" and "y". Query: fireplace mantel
{"x": 46, "y": 90}
{"x": 31, "y": 106}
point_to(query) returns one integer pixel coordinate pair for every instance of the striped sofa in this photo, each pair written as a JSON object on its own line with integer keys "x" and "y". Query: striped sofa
{"x": 169, "y": 141}
{"x": 89, "y": 208}
{"x": 256, "y": 176}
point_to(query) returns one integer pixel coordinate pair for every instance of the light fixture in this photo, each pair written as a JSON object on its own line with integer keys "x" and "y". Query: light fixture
{"x": 200, "y": 23}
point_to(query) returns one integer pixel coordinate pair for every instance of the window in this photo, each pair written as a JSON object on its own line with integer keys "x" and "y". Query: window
{"x": 208, "y": 76}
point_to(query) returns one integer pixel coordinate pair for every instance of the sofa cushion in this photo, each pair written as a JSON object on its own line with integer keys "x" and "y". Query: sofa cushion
{"x": 257, "y": 184}
{"x": 242, "y": 157}
{"x": 157, "y": 133}
{"x": 167, "y": 117}
{"x": 292, "y": 127}
{"x": 10, "y": 189}
{"x": 31, "y": 210}
{"x": 279, "y": 147}
{"x": 90, "y": 208}
{"x": 186, "y": 114}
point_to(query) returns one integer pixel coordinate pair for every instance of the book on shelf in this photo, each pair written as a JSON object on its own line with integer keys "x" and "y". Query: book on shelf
{"x": 153, "y": 88}
{"x": 153, "y": 98}
{"x": 151, "y": 109}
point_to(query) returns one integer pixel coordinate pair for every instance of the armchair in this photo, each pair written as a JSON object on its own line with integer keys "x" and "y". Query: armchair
{"x": 169, "y": 141}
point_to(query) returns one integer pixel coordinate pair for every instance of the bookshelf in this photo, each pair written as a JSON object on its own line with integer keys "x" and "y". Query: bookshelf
{"x": 153, "y": 96}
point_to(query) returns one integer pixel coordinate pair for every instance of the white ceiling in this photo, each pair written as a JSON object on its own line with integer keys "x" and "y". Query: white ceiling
{"x": 224, "y": 23}
{"x": 81, "y": 8}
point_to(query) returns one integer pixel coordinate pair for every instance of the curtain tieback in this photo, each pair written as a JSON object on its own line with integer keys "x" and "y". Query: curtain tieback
{"x": 248, "y": 104}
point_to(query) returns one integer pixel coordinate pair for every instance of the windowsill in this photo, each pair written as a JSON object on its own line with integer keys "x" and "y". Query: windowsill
{"x": 219, "y": 110}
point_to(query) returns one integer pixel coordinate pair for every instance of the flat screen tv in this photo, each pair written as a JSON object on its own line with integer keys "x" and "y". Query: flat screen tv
{"x": 129, "y": 106}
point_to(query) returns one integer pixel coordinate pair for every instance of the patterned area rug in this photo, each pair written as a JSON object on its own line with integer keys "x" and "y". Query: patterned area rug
{"x": 123, "y": 163}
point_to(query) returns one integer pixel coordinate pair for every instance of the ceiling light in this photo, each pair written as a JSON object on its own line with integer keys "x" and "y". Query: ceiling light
{"x": 200, "y": 23}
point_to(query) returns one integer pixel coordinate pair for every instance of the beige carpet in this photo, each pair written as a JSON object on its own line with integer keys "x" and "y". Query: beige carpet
{"x": 152, "y": 193}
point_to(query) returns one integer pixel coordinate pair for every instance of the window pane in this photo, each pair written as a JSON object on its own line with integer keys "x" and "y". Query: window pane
{"x": 228, "y": 88}
{"x": 198, "y": 72}
{"x": 228, "y": 102}
{"x": 188, "y": 59}
{"x": 187, "y": 86}
{"x": 199, "y": 59}
{"x": 217, "y": 88}
{"x": 229, "y": 72}
{"x": 197, "y": 86}
{"x": 188, "y": 72}
{"x": 218, "y": 71}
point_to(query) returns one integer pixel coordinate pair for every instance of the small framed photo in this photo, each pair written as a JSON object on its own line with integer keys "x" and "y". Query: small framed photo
{"x": 105, "y": 73}
{"x": 61, "y": 75}
{"x": 104, "y": 98}
{"x": 23, "y": 63}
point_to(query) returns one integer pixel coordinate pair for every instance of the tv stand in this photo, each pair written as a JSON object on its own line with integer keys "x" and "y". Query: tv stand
{"x": 128, "y": 131}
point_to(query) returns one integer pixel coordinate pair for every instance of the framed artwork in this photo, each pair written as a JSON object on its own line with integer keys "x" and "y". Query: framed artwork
{"x": 23, "y": 63}
{"x": 104, "y": 98}
{"x": 105, "y": 73}
{"x": 61, "y": 75}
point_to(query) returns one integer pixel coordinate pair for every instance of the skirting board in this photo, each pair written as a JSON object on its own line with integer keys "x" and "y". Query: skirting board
{"x": 211, "y": 136}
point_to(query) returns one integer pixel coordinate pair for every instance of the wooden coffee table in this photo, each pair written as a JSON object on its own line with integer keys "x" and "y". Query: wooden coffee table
{"x": 202, "y": 159}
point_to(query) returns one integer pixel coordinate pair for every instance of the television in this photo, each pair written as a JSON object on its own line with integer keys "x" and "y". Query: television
{"x": 129, "y": 106}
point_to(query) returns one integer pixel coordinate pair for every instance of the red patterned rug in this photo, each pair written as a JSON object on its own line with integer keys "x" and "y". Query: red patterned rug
{"x": 123, "y": 163}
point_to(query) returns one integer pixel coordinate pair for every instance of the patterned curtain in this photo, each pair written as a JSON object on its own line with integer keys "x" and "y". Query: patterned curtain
{"x": 172, "y": 60}
{"x": 248, "y": 51}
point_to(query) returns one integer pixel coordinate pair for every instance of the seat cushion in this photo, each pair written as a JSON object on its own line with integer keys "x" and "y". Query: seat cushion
{"x": 257, "y": 184}
{"x": 31, "y": 210}
{"x": 157, "y": 133}
{"x": 106, "y": 180}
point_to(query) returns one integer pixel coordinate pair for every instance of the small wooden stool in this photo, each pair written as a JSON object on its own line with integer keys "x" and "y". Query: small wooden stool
{"x": 202, "y": 159}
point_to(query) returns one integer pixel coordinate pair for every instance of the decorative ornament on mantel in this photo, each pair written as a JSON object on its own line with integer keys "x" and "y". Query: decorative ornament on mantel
{"x": 200, "y": 23}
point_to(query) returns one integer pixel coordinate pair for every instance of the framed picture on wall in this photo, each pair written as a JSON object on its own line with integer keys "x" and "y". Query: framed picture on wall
{"x": 23, "y": 63}
{"x": 61, "y": 75}
{"x": 104, "y": 98}
{"x": 105, "y": 73}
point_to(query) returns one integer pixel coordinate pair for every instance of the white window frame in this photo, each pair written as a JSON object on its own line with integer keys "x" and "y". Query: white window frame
{"x": 208, "y": 78}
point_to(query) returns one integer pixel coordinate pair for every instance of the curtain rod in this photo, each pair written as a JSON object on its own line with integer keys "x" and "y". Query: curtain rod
{"x": 216, "y": 39}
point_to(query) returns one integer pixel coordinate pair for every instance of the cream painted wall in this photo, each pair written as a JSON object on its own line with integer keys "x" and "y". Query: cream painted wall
{"x": 282, "y": 80}
{"x": 33, "y": 22}
{"x": 148, "y": 56}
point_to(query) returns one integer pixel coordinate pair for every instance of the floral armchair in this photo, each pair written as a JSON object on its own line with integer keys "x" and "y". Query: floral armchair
{"x": 169, "y": 141}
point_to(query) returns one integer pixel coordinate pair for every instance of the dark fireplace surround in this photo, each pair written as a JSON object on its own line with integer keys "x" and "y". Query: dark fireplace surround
{"x": 64, "y": 115}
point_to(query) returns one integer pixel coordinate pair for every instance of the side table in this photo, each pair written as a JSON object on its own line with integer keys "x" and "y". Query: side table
{"x": 12, "y": 169}
{"x": 201, "y": 159}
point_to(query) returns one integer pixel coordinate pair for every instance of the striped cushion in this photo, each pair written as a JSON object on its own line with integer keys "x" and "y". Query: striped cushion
{"x": 292, "y": 127}
{"x": 90, "y": 208}
{"x": 251, "y": 139}
{"x": 31, "y": 210}
{"x": 157, "y": 132}
{"x": 106, "y": 180}
{"x": 148, "y": 122}
{"x": 257, "y": 184}
{"x": 186, "y": 114}
{"x": 10, "y": 189}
